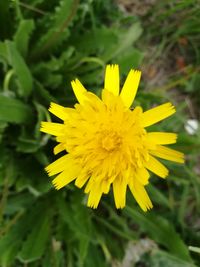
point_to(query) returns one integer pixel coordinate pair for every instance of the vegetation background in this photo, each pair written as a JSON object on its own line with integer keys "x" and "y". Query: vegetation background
{"x": 44, "y": 44}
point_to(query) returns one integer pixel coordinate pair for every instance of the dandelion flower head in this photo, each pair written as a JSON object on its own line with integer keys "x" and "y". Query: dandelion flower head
{"x": 107, "y": 144}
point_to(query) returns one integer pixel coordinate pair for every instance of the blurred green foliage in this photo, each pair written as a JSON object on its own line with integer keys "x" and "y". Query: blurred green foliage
{"x": 43, "y": 46}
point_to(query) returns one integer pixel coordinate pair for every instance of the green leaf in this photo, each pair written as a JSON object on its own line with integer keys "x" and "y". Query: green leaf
{"x": 161, "y": 230}
{"x": 125, "y": 41}
{"x": 36, "y": 181}
{"x": 158, "y": 196}
{"x": 22, "y": 36}
{"x": 94, "y": 258}
{"x": 24, "y": 77}
{"x": 43, "y": 93}
{"x": 14, "y": 110}
{"x": 160, "y": 258}
{"x": 11, "y": 242}
{"x": 57, "y": 28}
{"x": 27, "y": 145}
{"x": 96, "y": 41}
{"x": 18, "y": 201}
{"x": 129, "y": 38}
{"x": 3, "y": 54}
{"x": 78, "y": 219}
{"x": 131, "y": 59}
{"x": 42, "y": 115}
{"x": 3, "y": 126}
{"x": 35, "y": 244}
{"x": 6, "y": 21}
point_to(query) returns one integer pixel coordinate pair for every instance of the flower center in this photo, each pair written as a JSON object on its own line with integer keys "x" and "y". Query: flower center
{"x": 110, "y": 141}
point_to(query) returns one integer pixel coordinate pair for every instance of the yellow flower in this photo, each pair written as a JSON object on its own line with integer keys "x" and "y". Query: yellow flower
{"x": 108, "y": 144}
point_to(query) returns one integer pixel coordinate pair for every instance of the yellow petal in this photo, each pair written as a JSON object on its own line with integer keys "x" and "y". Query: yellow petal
{"x": 105, "y": 186}
{"x": 143, "y": 176}
{"x": 130, "y": 87}
{"x": 57, "y": 149}
{"x": 52, "y": 128}
{"x": 162, "y": 138}
{"x": 82, "y": 179}
{"x": 66, "y": 177}
{"x": 119, "y": 190}
{"x": 107, "y": 97}
{"x": 156, "y": 167}
{"x": 94, "y": 196}
{"x": 79, "y": 91}
{"x": 58, "y": 111}
{"x": 112, "y": 79}
{"x": 61, "y": 164}
{"x": 168, "y": 154}
{"x": 140, "y": 194}
{"x": 157, "y": 114}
